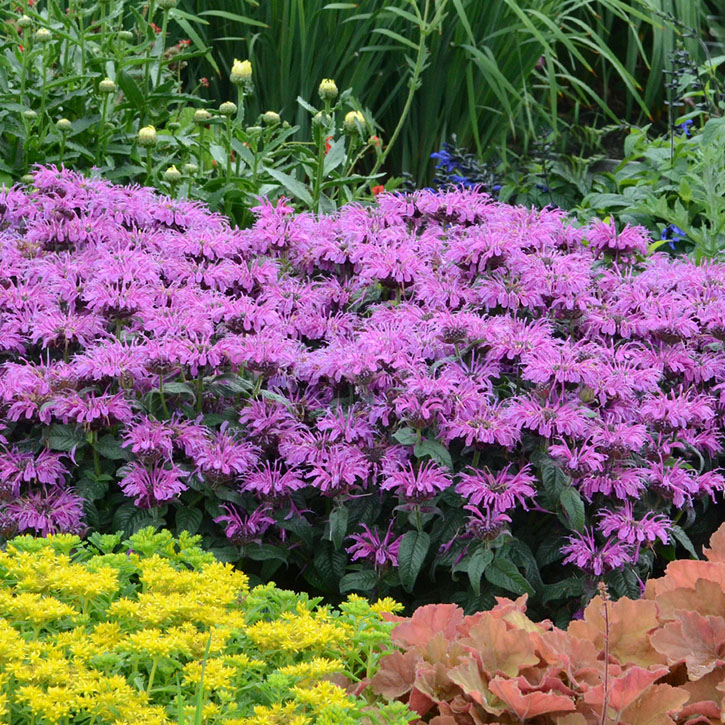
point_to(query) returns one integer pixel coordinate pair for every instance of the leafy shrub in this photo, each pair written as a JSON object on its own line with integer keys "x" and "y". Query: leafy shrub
{"x": 675, "y": 187}
{"x": 102, "y": 87}
{"x": 436, "y": 387}
{"x": 654, "y": 660}
{"x": 154, "y": 630}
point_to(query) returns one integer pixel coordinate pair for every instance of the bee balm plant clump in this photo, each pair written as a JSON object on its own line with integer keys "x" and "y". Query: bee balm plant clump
{"x": 437, "y": 385}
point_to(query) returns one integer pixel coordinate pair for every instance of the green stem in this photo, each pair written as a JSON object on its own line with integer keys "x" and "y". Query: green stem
{"x": 199, "y": 391}
{"x": 147, "y": 69}
{"x": 476, "y": 456}
{"x": 96, "y": 458}
{"x": 320, "y": 168}
{"x": 152, "y": 675}
{"x": 163, "y": 397}
{"x": 100, "y": 145}
{"x": 43, "y": 93}
{"x": 240, "y": 103}
{"x": 229, "y": 146}
{"x": 149, "y": 166}
{"x": 164, "y": 26}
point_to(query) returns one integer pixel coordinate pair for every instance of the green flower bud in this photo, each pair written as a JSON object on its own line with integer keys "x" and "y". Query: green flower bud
{"x": 254, "y": 129}
{"x": 354, "y": 122}
{"x": 125, "y": 35}
{"x": 321, "y": 119}
{"x": 27, "y": 178}
{"x": 24, "y": 21}
{"x": 173, "y": 126}
{"x": 63, "y": 125}
{"x": 30, "y": 114}
{"x": 228, "y": 108}
{"x": 172, "y": 175}
{"x": 167, "y": 4}
{"x": 107, "y": 86}
{"x": 270, "y": 118}
{"x": 147, "y": 136}
{"x": 43, "y": 35}
{"x": 201, "y": 116}
{"x": 327, "y": 90}
{"x": 241, "y": 72}
{"x": 190, "y": 169}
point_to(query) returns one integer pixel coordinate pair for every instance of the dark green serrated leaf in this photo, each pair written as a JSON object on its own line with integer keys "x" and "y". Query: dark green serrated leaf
{"x": 188, "y": 519}
{"x": 62, "y": 437}
{"x": 411, "y": 555}
{"x": 434, "y": 450}
{"x": 338, "y": 526}
{"x": 477, "y": 564}
{"x": 362, "y": 581}
{"x": 684, "y": 540}
{"x": 573, "y": 506}
{"x": 502, "y": 572}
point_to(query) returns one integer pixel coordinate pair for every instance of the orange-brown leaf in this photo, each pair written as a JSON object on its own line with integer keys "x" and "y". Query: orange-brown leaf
{"x": 500, "y": 649}
{"x": 685, "y": 573}
{"x": 630, "y": 622}
{"x": 623, "y": 690}
{"x": 426, "y": 622}
{"x": 706, "y": 598}
{"x": 655, "y": 706}
{"x": 530, "y": 704}
{"x": 698, "y": 641}
{"x": 474, "y": 683}
{"x": 396, "y": 674}
{"x": 716, "y": 552}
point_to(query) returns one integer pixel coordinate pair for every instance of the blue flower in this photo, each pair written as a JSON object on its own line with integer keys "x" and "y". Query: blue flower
{"x": 463, "y": 180}
{"x": 443, "y": 158}
{"x": 673, "y": 235}
{"x": 685, "y": 126}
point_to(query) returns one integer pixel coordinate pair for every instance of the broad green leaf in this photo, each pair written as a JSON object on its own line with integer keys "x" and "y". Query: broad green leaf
{"x": 477, "y": 564}
{"x": 338, "y": 526}
{"x": 435, "y": 450}
{"x": 682, "y": 538}
{"x": 295, "y": 187}
{"x": 413, "y": 550}
{"x": 188, "y": 519}
{"x": 62, "y": 437}
{"x": 573, "y": 506}
{"x": 363, "y": 581}
{"x": 503, "y": 573}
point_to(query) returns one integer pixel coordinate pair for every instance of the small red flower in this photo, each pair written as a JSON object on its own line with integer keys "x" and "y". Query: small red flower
{"x": 21, "y": 48}
{"x": 184, "y": 43}
{"x": 204, "y": 82}
{"x": 378, "y": 189}
{"x": 375, "y": 141}
{"x": 328, "y": 145}
{"x": 156, "y": 28}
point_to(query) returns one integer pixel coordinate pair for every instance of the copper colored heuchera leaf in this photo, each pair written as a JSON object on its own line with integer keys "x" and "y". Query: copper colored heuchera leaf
{"x": 685, "y": 573}
{"x": 698, "y": 641}
{"x": 529, "y": 704}
{"x": 577, "y": 658}
{"x": 707, "y": 597}
{"x": 499, "y": 648}
{"x": 630, "y": 622}
{"x": 426, "y": 622}
{"x": 396, "y": 675}
{"x": 655, "y": 706}
{"x": 716, "y": 552}
{"x": 474, "y": 683}
{"x": 624, "y": 690}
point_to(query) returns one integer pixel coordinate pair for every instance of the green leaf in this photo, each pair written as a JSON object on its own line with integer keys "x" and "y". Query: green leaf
{"x": 335, "y": 156}
{"x": 363, "y": 581}
{"x": 131, "y": 90}
{"x": 413, "y": 550}
{"x": 503, "y": 573}
{"x": 179, "y": 388}
{"x": 109, "y": 447}
{"x": 563, "y": 589}
{"x": 338, "y": 526}
{"x": 573, "y": 506}
{"x": 477, "y": 564}
{"x": 405, "y": 436}
{"x": 296, "y": 188}
{"x": 435, "y": 450}
{"x": 682, "y": 538}
{"x": 263, "y": 552}
{"x": 91, "y": 489}
{"x": 62, "y": 437}
{"x": 188, "y": 519}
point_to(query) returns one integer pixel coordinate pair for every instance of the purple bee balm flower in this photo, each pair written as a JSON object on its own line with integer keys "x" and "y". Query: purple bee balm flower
{"x": 222, "y": 456}
{"x": 579, "y": 460}
{"x": 341, "y": 468}
{"x": 18, "y": 467}
{"x": 604, "y": 237}
{"x": 270, "y": 481}
{"x": 498, "y": 491}
{"x": 92, "y": 410}
{"x": 583, "y": 551}
{"x": 244, "y": 529}
{"x": 47, "y": 511}
{"x": 421, "y": 484}
{"x": 371, "y": 546}
{"x": 150, "y": 439}
{"x": 486, "y": 525}
{"x": 152, "y": 485}
{"x": 630, "y": 530}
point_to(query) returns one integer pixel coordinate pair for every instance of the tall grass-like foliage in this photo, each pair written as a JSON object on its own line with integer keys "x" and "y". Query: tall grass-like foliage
{"x": 494, "y": 71}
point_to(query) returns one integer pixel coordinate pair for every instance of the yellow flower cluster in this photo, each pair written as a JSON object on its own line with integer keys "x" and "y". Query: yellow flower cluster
{"x": 159, "y": 629}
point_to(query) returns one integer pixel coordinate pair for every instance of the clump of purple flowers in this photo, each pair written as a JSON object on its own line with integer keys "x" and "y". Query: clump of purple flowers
{"x": 416, "y": 351}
